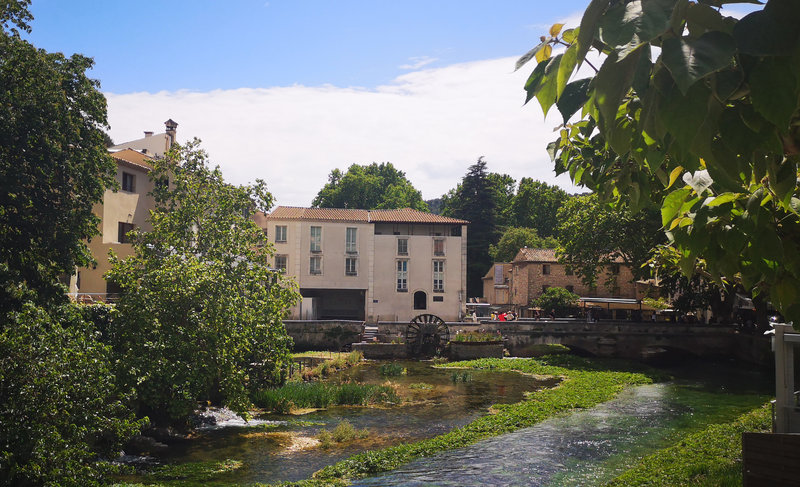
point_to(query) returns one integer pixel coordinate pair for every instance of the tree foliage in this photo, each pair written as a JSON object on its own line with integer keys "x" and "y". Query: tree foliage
{"x": 53, "y": 164}
{"x": 200, "y": 316}
{"x": 58, "y": 399}
{"x": 375, "y": 186}
{"x": 536, "y": 206}
{"x": 697, "y": 112}
{"x": 557, "y": 299}
{"x": 593, "y": 234}
{"x": 475, "y": 199}
{"x": 515, "y": 238}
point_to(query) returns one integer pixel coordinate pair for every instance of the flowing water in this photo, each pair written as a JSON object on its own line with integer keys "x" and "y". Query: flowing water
{"x": 583, "y": 448}
{"x": 593, "y": 446}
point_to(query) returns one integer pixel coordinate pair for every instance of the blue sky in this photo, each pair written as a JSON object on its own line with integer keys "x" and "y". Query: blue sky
{"x": 206, "y": 45}
{"x": 286, "y": 91}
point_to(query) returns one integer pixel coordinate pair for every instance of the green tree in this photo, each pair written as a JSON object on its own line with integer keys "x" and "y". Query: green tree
{"x": 593, "y": 234}
{"x": 60, "y": 409}
{"x": 58, "y": 399}
{"x": 475, "y": 200}
{"x": 200, "y": 316}
{"x": 707, "y": 126}
{"x": 503, "y": 186}
{"x": 558, "y": 299}
{"x": 515, "y": 238}
{"x": 375, "y": 186}
{"x": 536, "y": 206}
{"x": 53, "y": 164}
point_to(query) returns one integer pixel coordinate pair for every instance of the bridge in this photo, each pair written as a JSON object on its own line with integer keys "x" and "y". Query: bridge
{"x": 634, "y": 340}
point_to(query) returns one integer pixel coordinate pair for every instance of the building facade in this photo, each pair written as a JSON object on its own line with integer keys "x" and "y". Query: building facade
{"x": 121, "y": 211}
{"x": 372, "y": 265}
{"x": 532, "y": 271}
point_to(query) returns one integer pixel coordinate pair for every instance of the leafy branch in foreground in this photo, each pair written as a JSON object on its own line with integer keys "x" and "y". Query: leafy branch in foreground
{"x": 696, "y": 112}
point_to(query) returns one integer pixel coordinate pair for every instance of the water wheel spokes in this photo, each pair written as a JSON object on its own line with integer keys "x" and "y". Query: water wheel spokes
{"x": 427, "y": 335}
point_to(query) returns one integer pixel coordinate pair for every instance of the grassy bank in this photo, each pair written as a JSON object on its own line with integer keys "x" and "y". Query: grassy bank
{"x": 712, "y": 457}
{"x": 585, "y": 384}
{"x": 321, "y": 395}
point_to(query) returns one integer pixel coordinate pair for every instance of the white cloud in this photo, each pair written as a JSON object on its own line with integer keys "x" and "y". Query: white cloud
{"x": 418, "y": 62}
{"x": 432, "y": 124}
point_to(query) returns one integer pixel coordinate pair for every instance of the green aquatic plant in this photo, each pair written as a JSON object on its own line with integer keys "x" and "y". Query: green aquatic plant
{"x": 295, "y": 395}
{"x": 392, "y": 370}
{"x": 460, "y": 376}
{"x": 420, "y": 386}
{"x": 710, "y": 457}
{"x": 344, "y": 432}
{"x": 585, "y": 384}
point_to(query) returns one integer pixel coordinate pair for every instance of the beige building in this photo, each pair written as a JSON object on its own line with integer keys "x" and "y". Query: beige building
{"x": 373, "y": 265}
{"x": 121, "y": 211}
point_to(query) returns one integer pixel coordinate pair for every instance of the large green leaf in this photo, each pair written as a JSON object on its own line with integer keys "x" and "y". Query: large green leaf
{"x": 565, "y": 68}
{"x": 772, "y": 31}
{"x": 626, "y": 26}
{"x": 773, "y": 90}
{"x": 702, "y": 18}
{"x": 783, "y": 178}
{"x": 672, "y": 205}
{"x": 684, "y": 115}
{"x": 612, "y": 83}
{"x": 588, "y": 28}
{"x": 547, "y": 92}
{"x": 535, "y": 80}
{"x": 574, "y": 96}
{"x": 692, "y": 59}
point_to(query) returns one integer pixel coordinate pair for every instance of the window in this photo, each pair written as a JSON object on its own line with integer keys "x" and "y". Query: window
{"x": 128, "y": 182}
{"x": 420, "y": 300}
{"x": 615, "y": 269}
{"x": 438, "y": 246}
{"x": 315, "y": 265}
{"x": 350, "y": 241}
{"x": 438, "y": 276}
{"x": 122, "y": 232}
{"x": 281, "y": 262}
{"x": 438, "y": 299}
{"x": 350, "y": 266}
{"x": 402, "y": 246}
{"x": 571, "y": 288}
{"x": 316, "y": 239}
{"x": 402, "y": 276}
{"x": 280, "y": 234}
{"x": 546, "y": 269}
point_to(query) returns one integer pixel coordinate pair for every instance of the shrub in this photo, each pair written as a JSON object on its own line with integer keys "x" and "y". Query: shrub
{"x": 58, "y": 402}
{"x": 392, "y": 370}
{"x": 344, "y": 432}
{"x": 477, "y": 336}
{"x": 558, "y": 299}
{"x": 321, "y": 395}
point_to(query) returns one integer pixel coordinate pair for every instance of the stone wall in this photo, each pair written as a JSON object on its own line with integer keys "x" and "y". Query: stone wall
{"x": 323, "y": 334}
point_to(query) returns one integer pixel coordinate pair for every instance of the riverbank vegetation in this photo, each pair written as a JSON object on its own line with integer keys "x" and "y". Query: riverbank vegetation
{"x": 585, "y": 384}
{"x": 344, "y": 432}
{"x": 710, "y": 457}
{"x": 334, "y": 361}
{"x": 298, "y": 395}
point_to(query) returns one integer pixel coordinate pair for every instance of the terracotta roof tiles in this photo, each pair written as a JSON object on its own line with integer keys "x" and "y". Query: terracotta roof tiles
{"x": 405, "y": 215}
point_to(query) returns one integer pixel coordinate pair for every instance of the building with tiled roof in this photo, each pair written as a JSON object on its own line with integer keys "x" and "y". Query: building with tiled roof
{"x": 372, "y": 265}
{"x": 123, "y": 209}
{"x": 514, "y": 285}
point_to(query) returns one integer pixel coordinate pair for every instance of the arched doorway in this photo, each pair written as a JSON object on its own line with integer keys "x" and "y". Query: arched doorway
{"x": 420, "y": 300}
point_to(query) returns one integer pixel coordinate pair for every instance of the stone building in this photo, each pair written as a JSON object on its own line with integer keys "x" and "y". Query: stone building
{"x": 514, "y": 285}
{"x": 372, "y": 265}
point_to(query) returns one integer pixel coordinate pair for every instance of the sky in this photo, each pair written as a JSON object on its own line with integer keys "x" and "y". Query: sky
{"x": 288, "y": 90}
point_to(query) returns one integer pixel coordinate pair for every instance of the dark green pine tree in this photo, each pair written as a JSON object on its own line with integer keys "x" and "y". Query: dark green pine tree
{"x": 475, "y": 200}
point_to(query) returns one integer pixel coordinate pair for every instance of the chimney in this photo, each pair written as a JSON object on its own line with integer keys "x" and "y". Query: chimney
{"x": 147, "y": 133}
{"x": 172, "y": 126}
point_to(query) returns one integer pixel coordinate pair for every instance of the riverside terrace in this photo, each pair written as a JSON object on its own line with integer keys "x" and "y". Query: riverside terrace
{"x": 623, "y": 339}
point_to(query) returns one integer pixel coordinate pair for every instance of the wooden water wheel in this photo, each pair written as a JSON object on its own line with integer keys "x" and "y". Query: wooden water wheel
{"x": 426, "y": 335}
